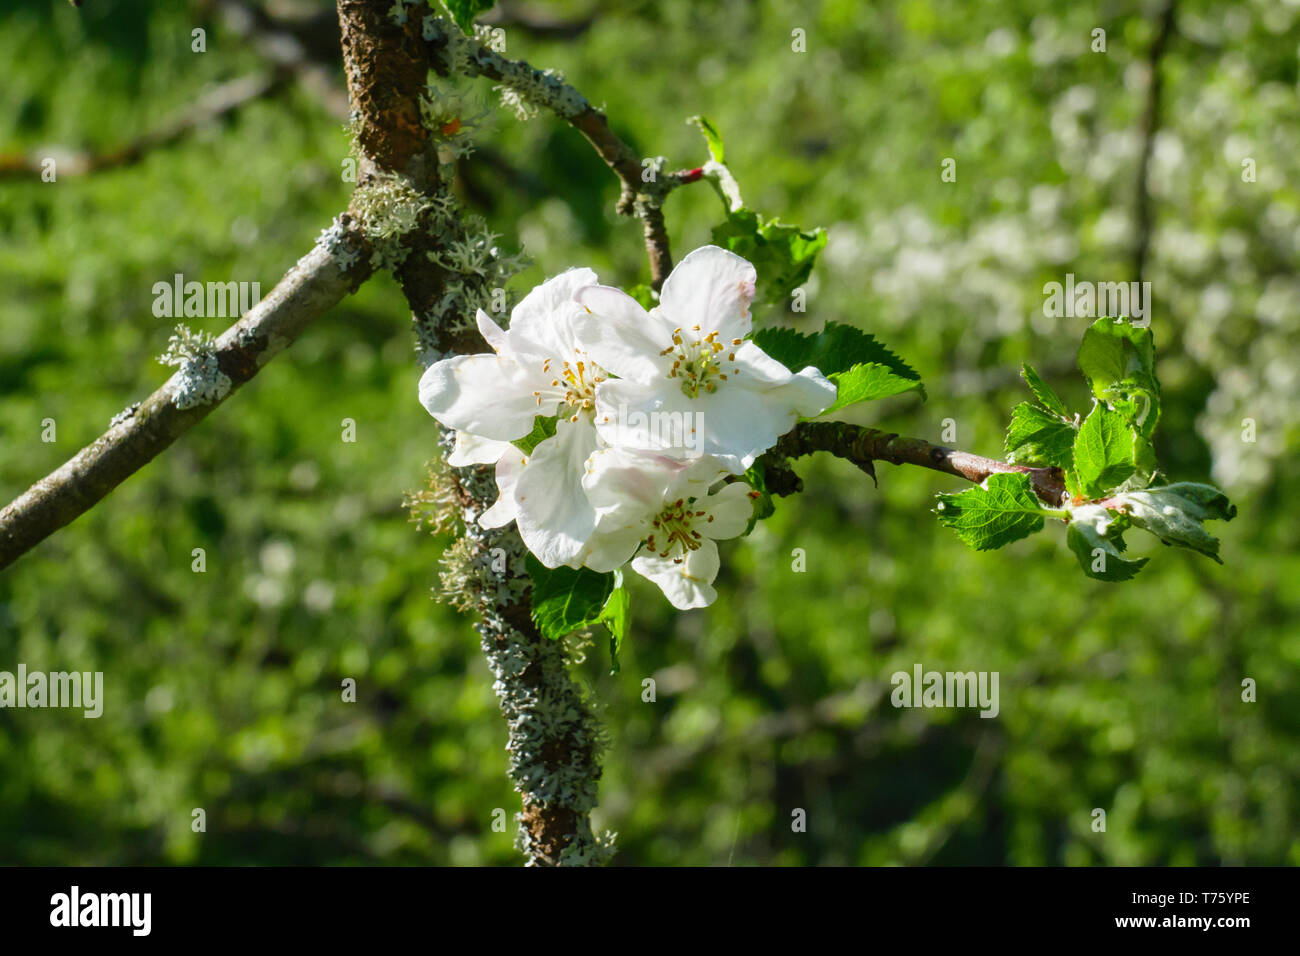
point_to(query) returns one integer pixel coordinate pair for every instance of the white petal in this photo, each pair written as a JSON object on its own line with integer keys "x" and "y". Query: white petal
{"x": 563, "y": 338}
{"x": 504, "y": 510}
{"x": 687, "y": 584}
{"x": 658, "y": 418}
{"x": 554, "y": 516}
{"x": 745, "y": 419}
{"x": 700, "y": 474}
{"x": 711, "y": 288}
{"x": 483, "y": 394}
{"x": 621, "y": 336}
{"x": 628, "y": 483}
{"x": 731, "y": 508}
{"x": 612, "y": 545}
{"x": 473, "y": 450}
{"x": 492, "y": 333}
{"x": 809, "y": 392}
{"x": 533, "y": 314}
{"x": 760, "y": 366}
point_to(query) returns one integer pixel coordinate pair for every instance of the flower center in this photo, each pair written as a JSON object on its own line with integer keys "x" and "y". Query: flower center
{"x": 577, "y": 380}
{"x": 672, "y": 528}
{"x": 699, "y": 361}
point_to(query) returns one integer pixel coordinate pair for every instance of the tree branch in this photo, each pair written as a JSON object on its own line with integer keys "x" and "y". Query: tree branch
{"x": 546, "y": 89}
{"x": 306, "y": 292}
{"x": 553, "y": 737}
{"x": 864, "y": 446}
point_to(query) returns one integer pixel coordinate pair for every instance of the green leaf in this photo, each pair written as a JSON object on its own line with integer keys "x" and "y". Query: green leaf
{"x": 1038, "y": 437}
{"x": 764, "y": 507}
{"x": 836, "y": 348}
{"x": 1118, "y": 360}
{"x": 566, "y": 599}
{"x": 1103, "y": 452}
{"x": 1111, "y": 351}
{"x": 1174, "y": 514}
{"x": 543, "y": 428}
{"x": 783, "y": 254}
{"x": 1138, "y": 403}
{"x": 1144, "y": 457}
{"x": 1043, "y": 392}
{"x": 1001, "y": 510}
{"x": 868, "y": 381}
{"x": 617, "y": 616}
{"x": 1094, "y": 529}
{"x": 711, "y": 136}
{"x": 464, "y": 11}
{"x": 644, "y": 295}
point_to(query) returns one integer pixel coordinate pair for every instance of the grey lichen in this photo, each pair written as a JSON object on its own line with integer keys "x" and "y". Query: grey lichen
{"x": 199, "y": 379}
{"x": 475, "y": 268}
{"x": 398, "y": 12}
{"x": 528, "y": 89}
{"x": 472, "y": 576}
{"x": 476, "y": 253}
{"x": 452, "y": 312}
{"x": 514, "y": 101}
{"x": 250, "y": 336}
{"x": 388, "y": 207}
{"x": 453, "y": 113}
{"x": 596, "y": 851}
{"x": 436, "y": 507}
{"x": 536, "y": 89}
{"x": 455, "y": 48}
{"x": 431, "y": 27}
{"x": 334, "y": 240}
{"x": 124, "y": 414}
{"x": 554, "y": 740}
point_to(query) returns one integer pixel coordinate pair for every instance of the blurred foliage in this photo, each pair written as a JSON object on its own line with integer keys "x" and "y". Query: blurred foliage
{"x": 223, "y": 688}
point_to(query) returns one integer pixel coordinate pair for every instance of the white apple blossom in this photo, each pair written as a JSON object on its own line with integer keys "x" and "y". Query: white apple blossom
{"x": 473, "y": 450}
{"x": 653, "y": 411}
{"x": 505, "y": 509}
{"x": 686, "y": 361}
{"x": 664, "y": 504}
{"x": 537, "y": 367}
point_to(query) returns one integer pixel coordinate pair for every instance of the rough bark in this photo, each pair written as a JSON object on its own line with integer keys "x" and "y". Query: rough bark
{"x": 553, "y": 739}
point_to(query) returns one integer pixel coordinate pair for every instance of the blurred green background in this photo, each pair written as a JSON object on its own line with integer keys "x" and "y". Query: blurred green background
{"x": 223, "y": 687}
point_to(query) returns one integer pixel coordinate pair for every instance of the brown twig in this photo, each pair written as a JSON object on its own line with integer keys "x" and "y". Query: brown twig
{"x": 638, "y": 196}
{"x": 864, "y": 446}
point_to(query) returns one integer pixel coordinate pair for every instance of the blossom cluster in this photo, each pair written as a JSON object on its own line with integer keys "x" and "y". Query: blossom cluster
{"x": 653, "y": 411}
